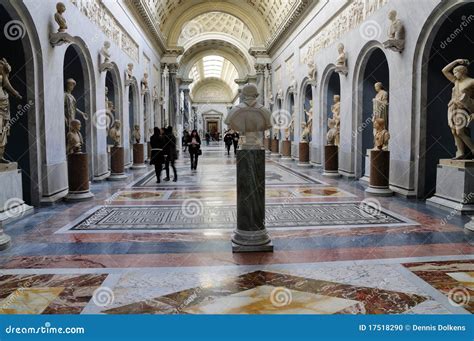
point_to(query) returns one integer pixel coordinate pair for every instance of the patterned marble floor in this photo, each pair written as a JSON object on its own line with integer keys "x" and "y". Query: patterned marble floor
{"x": 147, "y": 248}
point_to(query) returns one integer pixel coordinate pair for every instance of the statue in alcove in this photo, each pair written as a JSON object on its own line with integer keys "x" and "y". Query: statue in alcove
{"x": 70, "y": 103}
{"x": 332, "y": 132}
{"x": 5, "y": 88}
{"x": 59, "y": 18}
{"x": 341, "y": 61}
{"x": 461, "y": 106}
{"x": 136, "y": 133}
{"x": 109, "y": 110}
{"x": 105, "y": 52}
{"x": 74, "y": 140}
{"x": 115, "y": 133}
{"x": 129, "y": 72}
{"x": 336, "y": 115}
{"x": 308, "y": 124}
{"x": 380, "y": 105}
{"x": 144, "y": 82}
{"x": 382, "y": 136}
{"x": 396, "y": 33}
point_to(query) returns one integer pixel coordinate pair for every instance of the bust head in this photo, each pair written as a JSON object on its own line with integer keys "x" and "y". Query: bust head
{"x": 130, "y": 66}
{"x": 378, "y": 86}
{"x": 70, "y": 84}
{"x": 460, "y": 72}
{"x": 331, "y": 123}
{"x": 107, "y": 44}
{"x": 340, "y": 48}
{"x": 136, "y": 127}
{"x": 392, "y": 15}
{"x": 75, "y": 125}
{"x": 249, "y": 92}
{"x": 379, "y": 124}
{"x": 60, "y": 7}
{"x": 337, "y": 98}
{"x": 117, "y": 124}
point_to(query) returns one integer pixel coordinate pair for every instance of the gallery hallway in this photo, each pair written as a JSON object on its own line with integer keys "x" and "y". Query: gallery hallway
{"x": 140, "y": 247}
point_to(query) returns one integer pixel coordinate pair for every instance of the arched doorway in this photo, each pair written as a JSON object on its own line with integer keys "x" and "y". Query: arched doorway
{"x": 374, "y": 69}
{"x": 77, "y": 67}
{"x": 434, "y": 89}
{"x": 21, "y": 49}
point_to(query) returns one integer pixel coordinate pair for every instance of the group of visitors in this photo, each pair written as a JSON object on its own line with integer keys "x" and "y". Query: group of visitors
{"x": 231, "y": 138}
{"x": 164, "y": 152}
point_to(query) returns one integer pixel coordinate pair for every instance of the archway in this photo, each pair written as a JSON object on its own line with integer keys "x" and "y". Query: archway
{"x": 441, "y": 43}
{"x": 333, "y": 89}
{"x": 374, "y": 69}
{"x": 21, "y": 49}
{"x": 77, "y": 67}
{"x": 291, "y": 110}
{"x": 308, "y": 110}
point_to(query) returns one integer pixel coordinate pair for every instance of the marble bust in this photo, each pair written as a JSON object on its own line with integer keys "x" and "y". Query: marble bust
{"x": 249, "y": 117}
{"x": 59, "y": 18}
{"x": 382, "y": 136}
{"x": 461, "y": 106}
{"x": 115, "y": 133}
{"x": 105, "y": 52}
{"x": 74, "y": 140}
{"x": 144, "y": 82}
{"x": 136, "y": 134}
{"x": 341, "y": 61}
{"x": 5, "y": 88}
{"x": 396, "y": 33}
{"x": 380, "y": 104}
{"x": 332, "y": 132}
{"x": 129, "y": 71}
{"x": 70, "y": 103}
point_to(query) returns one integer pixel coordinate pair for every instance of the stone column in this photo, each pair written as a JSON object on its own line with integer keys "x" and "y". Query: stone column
{"x": 173, "y": 107}
{"x": 166, "y": 92}
{"x": 260, "y": 69}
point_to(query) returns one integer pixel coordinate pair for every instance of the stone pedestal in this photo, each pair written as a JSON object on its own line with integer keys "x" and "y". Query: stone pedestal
{"x": 78, "y": 177}
{"x": 286, "y": 150}
{"x": 148, "y": 151}
{"x": 267, "y": 144}
{"x": 138, "y": 156}
{"x": 12, "y": 206}
{"x": 275, "y": 148}
{"x": 331, "y": 161}
{"x": 379, "y": 173}
{"x": 251, "y": 234}
{"x": 455, "y": 185}
{"x": 303, "y": 155}
{"x": 117, "y": 164}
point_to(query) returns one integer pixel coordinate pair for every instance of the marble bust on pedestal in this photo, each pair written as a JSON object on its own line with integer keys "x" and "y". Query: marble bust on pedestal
{"x": 136, "y": 134}
{"x": 341, "y": 61}
{"x": 396, "y": 34}
{"x": 115, "y": 134}
{"x": 382, "y": 136}
{"x": 61, "y": 36}
{"x": 332, "y": 132}
{"x": 249, "y": 117}
{"x": 59, "y": 18}
{"x": 74, "y": 138}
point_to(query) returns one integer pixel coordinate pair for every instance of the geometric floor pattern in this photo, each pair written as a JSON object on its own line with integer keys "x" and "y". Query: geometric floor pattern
{"x": 194, "y": 215}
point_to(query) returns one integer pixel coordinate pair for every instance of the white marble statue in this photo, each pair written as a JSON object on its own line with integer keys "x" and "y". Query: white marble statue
{"x": 109, "y": 110}
{"x": 5, "y": 88}
{"x": 382, "y": 136}
{"x": 115, "y": 133}
{"x": 144, "y": 82}
{"x": 70, "y": 103}
{"x": 396, "y": 33}
{"x": 307, "y": 125}
{"x": 341, "y": 61}
{"x": 136, "y": 133}
{"x": 74, "y": 140}
{"x": 461, "y": 106}
{"x": 249, "y": 117}
{"x": 380, "y": 104}
{"x": 59, "y": 18}
{"x": 105, "y": 52}
{"x": 332, "y": 132}
{"x": 129, "y": 72}
{"x": 336, "y": 116}
{"x": 311, "y": 70}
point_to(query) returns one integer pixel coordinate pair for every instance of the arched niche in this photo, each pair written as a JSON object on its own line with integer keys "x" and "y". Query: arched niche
{"x": 279, "y": 107}
{"x": 113, "y": 84}
{"x": 307, "y": 107}
{"x": 147, "y": 116}
{"x": 331, "y": 86}
{"x": 291, "y": 107}
{"x": 440, "y": 43}
{"x": 25, "y": 145}
{"x": 373, "y": 69}
{"x": 133, "y": 111}
{"x": 78, "y": 66}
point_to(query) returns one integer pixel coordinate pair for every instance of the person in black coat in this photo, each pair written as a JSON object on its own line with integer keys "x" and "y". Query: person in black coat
{"x": 157, "y": 143}
{"x": 194, "y": 144}
{"x": 171, "y": 153}
{"x": 235, "y": 137}
{"x": 228, "y": 140}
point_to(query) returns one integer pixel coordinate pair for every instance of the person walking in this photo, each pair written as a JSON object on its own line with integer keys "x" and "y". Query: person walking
{"x": 194, "y": 143}
{"x": 228, "y": 141}
{"x": 157, "y": 152}
{"x": 184, "y": 140}
{"x": 236, "y": 137}
{"x": 171, "y": 153}
{"x": 208, "y": 138}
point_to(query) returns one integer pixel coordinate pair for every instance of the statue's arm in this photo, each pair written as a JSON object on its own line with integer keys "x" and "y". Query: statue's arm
{"x": 9, "y": 87}
{"x": 448, "y": 69}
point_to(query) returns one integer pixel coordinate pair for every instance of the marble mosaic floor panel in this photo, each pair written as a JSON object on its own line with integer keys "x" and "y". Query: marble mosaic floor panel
{"x": 454, "y": 279}
{"x": 47, "y": 294}
{"x": 265, "y": 292}
{"x": 195, "y": 216}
